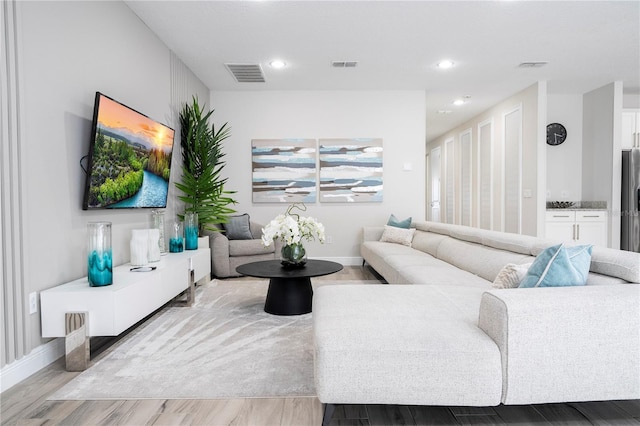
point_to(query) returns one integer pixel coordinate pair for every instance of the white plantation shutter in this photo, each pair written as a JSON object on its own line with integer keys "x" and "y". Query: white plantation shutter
{"x": 465, "y": 178}
{"x": 512, "y": 170}
{"x": 450, "y": 187}
{"x": 485, "y": 174}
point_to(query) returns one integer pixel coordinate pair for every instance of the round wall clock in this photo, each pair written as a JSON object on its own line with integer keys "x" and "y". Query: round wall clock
{"x": 556, "y": 134}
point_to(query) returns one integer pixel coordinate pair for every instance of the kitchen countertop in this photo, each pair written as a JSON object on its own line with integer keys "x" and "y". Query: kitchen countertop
{"x": 551, "y": 209}
{"x": 577, "y": 205}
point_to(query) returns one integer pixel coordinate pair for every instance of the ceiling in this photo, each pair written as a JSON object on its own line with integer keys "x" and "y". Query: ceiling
{"x": 397, "y": 44}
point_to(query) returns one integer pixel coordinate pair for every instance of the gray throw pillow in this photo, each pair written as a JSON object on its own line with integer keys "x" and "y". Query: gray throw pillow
{"x": 238, "y": 228}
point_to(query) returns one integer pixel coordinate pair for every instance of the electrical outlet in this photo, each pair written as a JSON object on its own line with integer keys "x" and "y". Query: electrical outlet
{"x": 329, "y": 239}
{"x": 33, "y": 303}
{"x": 564, "y": 194}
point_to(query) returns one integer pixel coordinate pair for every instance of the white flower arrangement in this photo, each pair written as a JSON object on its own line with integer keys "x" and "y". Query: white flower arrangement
{"x": 291, "y": 228}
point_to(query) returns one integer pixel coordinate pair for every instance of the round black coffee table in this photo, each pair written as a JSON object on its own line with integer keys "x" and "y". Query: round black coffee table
{"x": 290, "y": 291}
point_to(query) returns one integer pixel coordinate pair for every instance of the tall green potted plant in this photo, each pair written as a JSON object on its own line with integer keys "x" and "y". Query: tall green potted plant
{"x": 202, "y": 183}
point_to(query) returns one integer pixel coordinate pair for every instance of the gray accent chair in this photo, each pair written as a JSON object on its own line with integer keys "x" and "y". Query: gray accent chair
{"x": 227, "y": 254}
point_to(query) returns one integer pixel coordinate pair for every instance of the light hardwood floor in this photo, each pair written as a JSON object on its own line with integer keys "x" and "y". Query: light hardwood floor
{"x": 27, "y": 404}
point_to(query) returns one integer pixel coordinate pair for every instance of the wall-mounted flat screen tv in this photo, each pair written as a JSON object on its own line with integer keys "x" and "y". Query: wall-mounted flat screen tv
{"x": 129, "y": 161}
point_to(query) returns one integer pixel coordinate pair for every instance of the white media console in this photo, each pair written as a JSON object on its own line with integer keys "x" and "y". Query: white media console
{"x": 77, "y": 311}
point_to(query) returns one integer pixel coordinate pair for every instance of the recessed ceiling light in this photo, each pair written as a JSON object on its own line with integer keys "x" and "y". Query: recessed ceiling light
{"x": 461, "y": 101}
{"x": 445, "y": 64}
{"x": 277, "y": 64}
{"x": 444, "y": 111}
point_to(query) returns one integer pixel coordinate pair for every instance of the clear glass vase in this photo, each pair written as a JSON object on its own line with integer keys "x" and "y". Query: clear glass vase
{"x": 158, "y": 223}
{"x": 293, "y": 256}
{"x": 191, "y": 231}
{"x": 100, "y": 263}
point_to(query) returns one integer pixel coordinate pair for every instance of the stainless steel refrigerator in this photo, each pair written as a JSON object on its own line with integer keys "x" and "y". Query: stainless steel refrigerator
{"x": 630, "y": 232}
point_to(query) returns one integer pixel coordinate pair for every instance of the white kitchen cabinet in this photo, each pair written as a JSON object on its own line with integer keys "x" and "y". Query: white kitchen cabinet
{"x": 630, "y": 128}
{"x": 579, "y": 226}
{"x": 560, "y": 225}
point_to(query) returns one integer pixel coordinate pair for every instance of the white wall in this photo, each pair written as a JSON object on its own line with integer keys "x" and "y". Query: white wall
{"x": 66, "y": 52}
{"x": 601, "y": 155}
{"x": 631, "y": 100}
{"x": 395, "y": 116}
{"x": 564, "y": 162}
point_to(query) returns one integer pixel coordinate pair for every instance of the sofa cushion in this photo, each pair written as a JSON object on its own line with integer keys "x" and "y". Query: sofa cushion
{"x": 375, "y": 253}
{"x": 600, "y": 279}
{"x": 403, "y": 345}
{"x": 516, "y": 243}
{"x": 248, "y": 248}
{"x": 427, "y": 242}
{"x": 467, "y": 233}
{"x": 617, "y": 263}
{"x": 559, "y": 266}
{"x": 238, "y": 228}
{"x": 476, "y": 258}
{"x": 392, "y": 234}
{"x": 394, "y": 221}
{"x": 444, "y": 274}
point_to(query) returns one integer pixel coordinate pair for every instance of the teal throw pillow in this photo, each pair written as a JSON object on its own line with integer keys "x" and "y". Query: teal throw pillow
{"x": 394, "y": 221}
{"x": 559, "y": 266}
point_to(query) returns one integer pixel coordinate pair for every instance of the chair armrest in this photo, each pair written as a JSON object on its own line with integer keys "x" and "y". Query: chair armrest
{"x": 566, "y": 343}
{"x": 219, "y": 244}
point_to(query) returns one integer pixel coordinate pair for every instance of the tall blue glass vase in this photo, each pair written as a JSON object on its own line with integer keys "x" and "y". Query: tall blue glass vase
{"x": 191, "y": 231}
{"x": 176, "y": 239}
{"x": 100, "y": 264}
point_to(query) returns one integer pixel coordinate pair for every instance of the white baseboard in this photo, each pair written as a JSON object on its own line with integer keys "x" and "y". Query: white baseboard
{"x": 38, "y": 358}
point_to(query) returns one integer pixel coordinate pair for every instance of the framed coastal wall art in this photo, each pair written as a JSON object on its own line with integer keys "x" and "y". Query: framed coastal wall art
{"x": 283, "y": 170}
{"x": 350, "y": 170}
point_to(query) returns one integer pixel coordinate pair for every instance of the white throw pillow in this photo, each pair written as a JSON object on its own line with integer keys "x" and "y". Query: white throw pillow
{"x": 393, "y": 234}
{"x": 511, "y": 275}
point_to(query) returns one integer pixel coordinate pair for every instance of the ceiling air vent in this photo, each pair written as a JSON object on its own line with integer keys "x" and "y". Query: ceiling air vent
{"x": 246, "y": 73}
{"x": 344, "y": 64}
{"x": 533, "y": 64}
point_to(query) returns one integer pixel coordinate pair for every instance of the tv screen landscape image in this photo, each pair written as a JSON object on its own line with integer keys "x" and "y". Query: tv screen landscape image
{"x": 129, "y": 159}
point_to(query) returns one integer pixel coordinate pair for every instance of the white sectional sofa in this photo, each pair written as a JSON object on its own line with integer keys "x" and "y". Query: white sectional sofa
{"x": 453, "y": 340}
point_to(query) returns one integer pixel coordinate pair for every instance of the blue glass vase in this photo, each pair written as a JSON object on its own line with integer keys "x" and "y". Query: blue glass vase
{"x": 191, "y": 231}
{"x": 176, "y": 239}
{"x": 100, "y": 262}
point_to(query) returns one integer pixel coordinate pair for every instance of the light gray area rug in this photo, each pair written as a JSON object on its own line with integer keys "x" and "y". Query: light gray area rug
{"x": 225, "y": 346}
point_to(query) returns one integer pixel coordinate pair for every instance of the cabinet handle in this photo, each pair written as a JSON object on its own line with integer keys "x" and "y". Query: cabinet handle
{"x": 593, "y": 215}
{"x": 555, "y": 215}
{"x": 578, "y": 229}
{"x": 573, "y": 228}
